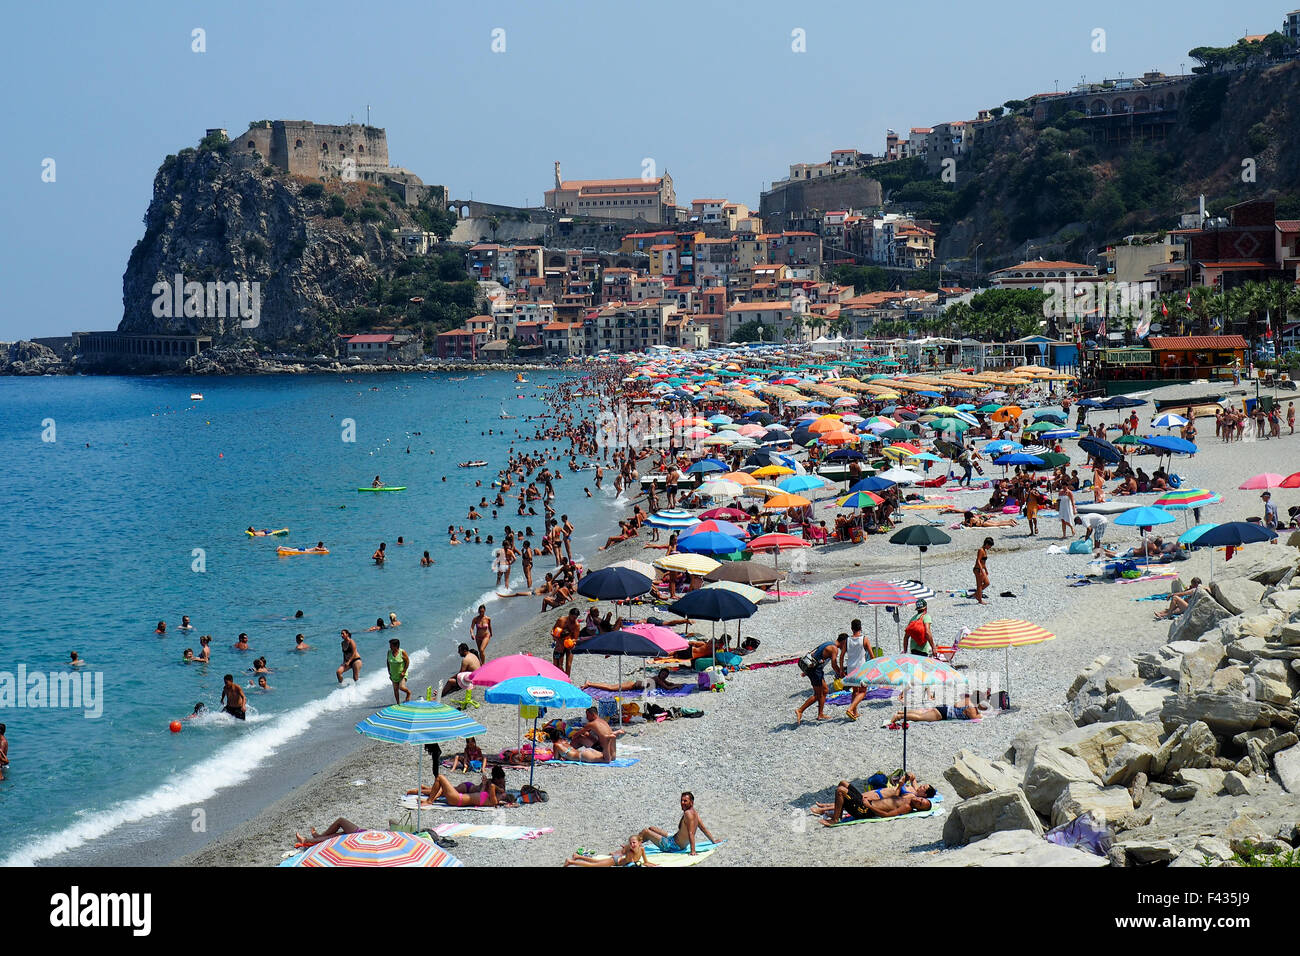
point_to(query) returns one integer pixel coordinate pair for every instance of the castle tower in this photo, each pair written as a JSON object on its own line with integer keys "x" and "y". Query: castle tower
{"x": 557, "y": 174}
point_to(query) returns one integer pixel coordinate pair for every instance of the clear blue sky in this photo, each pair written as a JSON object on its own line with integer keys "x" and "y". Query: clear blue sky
{"x": 711, "y": 91}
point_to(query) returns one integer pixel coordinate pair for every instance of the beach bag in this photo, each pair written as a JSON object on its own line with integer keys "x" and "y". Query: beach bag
{"x": 692, "y": 712}
{"x": 749, "y": 644}
{"x": 1004, "y": 700}
{"x": 876, "y": 781}
{"x": 607, "y": 708}
{"x": 531, "y": 794}
{"x": 1079, "y": 547}
{"x": 727, "y": 659}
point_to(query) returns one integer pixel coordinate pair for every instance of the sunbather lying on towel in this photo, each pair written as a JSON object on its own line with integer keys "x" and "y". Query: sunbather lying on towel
{"x": 630, "y": 853}
{"x": 498, "y": 778}
{"x": 564, "y": 750}
{"x": 966, "y": 710}
{"x": 337, "y": 828}
{"x": 972, "y": 519}
{"x": 906, "y": 786}
{"x": 848, "y": 800}
{"x": 443, "y": 788}
{"x": 660, "y": 681}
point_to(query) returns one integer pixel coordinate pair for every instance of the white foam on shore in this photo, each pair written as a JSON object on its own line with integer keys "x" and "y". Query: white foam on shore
{"x": 228, "y": 767}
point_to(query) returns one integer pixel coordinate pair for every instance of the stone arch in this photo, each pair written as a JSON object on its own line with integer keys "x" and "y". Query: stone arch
{"x": 1099, "y": 107}
{"x": 1141, "y": 105}
{"x": 361, "y": 147}
{"x": 464, "y": 211}
{"x": 556, "y": 260}
{"x": 1121, "y": 105}
{"x": 297, "y": 144}
{"x": 324, "y": 147}
{"x": 251, "y": 144}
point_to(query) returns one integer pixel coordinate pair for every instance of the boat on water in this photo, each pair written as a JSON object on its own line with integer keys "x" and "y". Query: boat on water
{"x": 504, "y": 415}
{"x": 519, "y": 377}
{"x": 472, "y": 464}
{"x": 196, "y": 396}
{"x": 463, "y": 378}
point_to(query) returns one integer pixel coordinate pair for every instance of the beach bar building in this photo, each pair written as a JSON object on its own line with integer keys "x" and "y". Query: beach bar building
{"x": 1164, "y": 360}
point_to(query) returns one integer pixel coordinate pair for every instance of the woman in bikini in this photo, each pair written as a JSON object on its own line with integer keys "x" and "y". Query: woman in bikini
{"x": 443, "y": 788}
{"x": 563, "y": 750}
{"x": 631, "y": 853}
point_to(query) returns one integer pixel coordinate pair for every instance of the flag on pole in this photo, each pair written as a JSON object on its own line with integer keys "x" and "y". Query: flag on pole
{"x": 1189, "y": 298}
{"x": 1268, "y": 324}
{"x": 1143, "y": 326}
{"x": 1164, "y": 309}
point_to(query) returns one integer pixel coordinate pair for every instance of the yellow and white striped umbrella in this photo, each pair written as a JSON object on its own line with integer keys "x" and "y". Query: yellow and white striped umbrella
{"x": 690, "y": 563}
{"x": 751, "y": 594}
{"x": 1005, "y": 633}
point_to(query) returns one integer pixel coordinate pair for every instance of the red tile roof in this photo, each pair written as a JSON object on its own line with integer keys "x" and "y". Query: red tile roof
{"x": 371, "y": 338}
{"x": 1192, "y": 343}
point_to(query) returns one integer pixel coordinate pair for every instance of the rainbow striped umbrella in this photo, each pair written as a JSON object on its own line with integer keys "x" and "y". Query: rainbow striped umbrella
{"x": 859, "y": 499}
{"x": 1186, "y": 498}
{"x": 375, "y": 848}
{"x": 1005, "y": 634}
{"x": 904, "y": 670}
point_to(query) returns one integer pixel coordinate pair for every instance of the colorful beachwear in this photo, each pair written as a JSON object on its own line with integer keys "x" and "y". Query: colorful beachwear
{"x": 668, "y": 845}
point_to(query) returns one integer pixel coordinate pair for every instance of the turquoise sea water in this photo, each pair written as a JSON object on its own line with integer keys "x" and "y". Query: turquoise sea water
{"x": 99, "y": 545}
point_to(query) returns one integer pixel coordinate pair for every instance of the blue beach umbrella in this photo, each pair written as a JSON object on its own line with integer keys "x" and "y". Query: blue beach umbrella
{"x": 673, "y": 518}
{"x": 1233, "y": 534}
{"x": 709, "y": 542}
{"x": 1169, "y": 420}
{"x": 614, "y": 584}
{"x": 707, "y": 465}
{"x": 1192, "y": 535}
{"x": 1000, "y": 446}
{"x": 794, "y": 484}
{"x": 537, "y": 692}
{"x": 1170, "y": 444}
{"x": 1017, "y": 458}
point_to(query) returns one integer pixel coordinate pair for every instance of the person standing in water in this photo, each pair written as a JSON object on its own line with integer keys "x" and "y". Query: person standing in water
{"x": 399, "y": 662}
{"x": 232, "y": 696}
{"x": 351, "y": 657}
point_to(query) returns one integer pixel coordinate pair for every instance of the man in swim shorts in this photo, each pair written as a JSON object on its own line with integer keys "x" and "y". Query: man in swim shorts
{"x": 399, "y": 662}
{"x": 469, "y": 663}
{"x": 232, "y": 696}
{"x": 963, "y": 711}
{"x": 687, "y": 826}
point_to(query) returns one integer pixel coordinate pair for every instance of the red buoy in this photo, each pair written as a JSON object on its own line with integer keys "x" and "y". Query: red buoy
{"x": 175, "y": 726}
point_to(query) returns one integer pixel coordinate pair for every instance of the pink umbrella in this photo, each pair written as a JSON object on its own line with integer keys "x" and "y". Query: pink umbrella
{"x": 726, "y": 514}
{"x": 668, "y": 639}
{"x": 515, "y": 665}
{"x": 1266, "y": 480}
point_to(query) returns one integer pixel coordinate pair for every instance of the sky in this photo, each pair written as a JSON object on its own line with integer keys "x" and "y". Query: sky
{"x": 724, "y": 96}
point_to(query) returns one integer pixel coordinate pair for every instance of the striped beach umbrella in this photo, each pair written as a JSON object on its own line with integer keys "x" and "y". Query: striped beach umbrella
{"x": 751, "y": 594}
{"x": 859, "y": 499}
{"x": 915, "y": 588}
{"x": 416, "y": 723}
{"x": 673, "y": 518}
{"x": 880, "y": 593}
{"x": 719, "y": 488}
{"x": 687, "y": 563}
{"x": 904, "y": 670}
{"x": 1005, "y": 634}
{"x": 375, "y": 848}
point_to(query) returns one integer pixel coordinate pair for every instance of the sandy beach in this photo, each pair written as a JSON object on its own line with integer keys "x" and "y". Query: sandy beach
{"x": 753, "y": 772}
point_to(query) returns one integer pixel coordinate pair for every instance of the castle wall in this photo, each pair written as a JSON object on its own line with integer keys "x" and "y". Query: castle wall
{"x": 310, "y": 149}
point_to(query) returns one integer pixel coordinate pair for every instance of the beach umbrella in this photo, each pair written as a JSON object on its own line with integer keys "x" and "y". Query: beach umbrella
{"x": 416, "y": 723}
{"x": 897, "y": 434}
{"x": 846, "y": 454}
{"x": 906, "y": 671}
{"x": 1007, "y": 413}
{"x": 919, "y": 536}
{"x": 1050, "y": 459}
{"x": 515, "y": 665}
{"x": 1058, "y": 433}
{"x": 675, "y": 518}
{"x": 772, "y": 471}
{"x": 719, "y": 488}
{"x": 1290, "y": 481}
{"x": 687, "y": 563}
{"x": 710, "y": 542}
{"x": 988, "y": 409}
{"x": 1169, "y": 420}
{"x": 538, "y": 692}
{"x": 1000, "y": 446}
{"x": 874, "y": 483}
{"x": 745, "y": 572}
{"x": 1041, "y": 427}
{"x": 1100, "y": 448}
{"x": 859, "y": 499}
{"x": 1144, "y": 517}
{"x": 1193, "y": 534}
{"x": 923, "y": 456}
{"x": 1170, "y": 444}
{"x": 951, "y": 449}
{"x": 782, "y": 501}
{"x": 712, "y": 604}
{"x": 1042, "y": 415}
{"x": 1121, "y": 401}
{"x": 876, "y": 594}
{"x": 375, "y": 848}
{"x": 706, "y": 465}
{"x": 742, "y": 478}
{"x": 1262, "y": 481}
{"x": 718, "y": 441}
{"x": 1005, "y": 634}
{"x": 727, "y": 514}
{"x": 1233, "y": 534}
{"x": 1018, "y": 458}
{"x": 915, "y": 588}
{"x": 751, "y": 594}
{"x": 713, "y": 524}
{"x": 775, "y": 543}
{"x": 797, "y": 483}
{"x": 1187, "y": 499}
{"x": 900, "y": 476}
{"x": 614, "y": 584}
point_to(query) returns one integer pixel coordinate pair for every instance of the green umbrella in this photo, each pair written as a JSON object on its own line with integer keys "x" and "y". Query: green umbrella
{"x": 949, "y": 425}
{"x": 987, "y": 409}
{"x": 1051, "y": 459}
{"x": 1042, "y": 427}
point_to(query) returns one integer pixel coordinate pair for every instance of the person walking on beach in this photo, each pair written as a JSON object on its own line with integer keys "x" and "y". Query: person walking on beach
{"x": 481, "y": 629}
{"x": 683, "y": 840}
{"x": 918, "y": 632}
{"x": 1290, "y": 417}
{"x": 813, "y": 666}
{"x": 981, "y": 570}
{"x": 351, "y": 658}
{"x": 857, "y": 652}
{"x": 1065, "y": 510}
{"x": 232, "y": 696}
{"x": 399, "y": 662}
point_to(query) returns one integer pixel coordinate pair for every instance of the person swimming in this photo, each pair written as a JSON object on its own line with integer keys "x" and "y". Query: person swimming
{"x": 300, "y": 643}
{"x": 76, "y": 661}
{"x": 162, "y": 628}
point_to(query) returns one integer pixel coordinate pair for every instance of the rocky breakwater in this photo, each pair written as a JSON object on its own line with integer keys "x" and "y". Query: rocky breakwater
{"x": 1188, "y": 756}
{"x": 29, "y": 358}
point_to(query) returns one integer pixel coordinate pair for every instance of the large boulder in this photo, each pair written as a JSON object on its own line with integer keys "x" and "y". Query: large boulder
{"x": 1112, "y": 804}
{"x": 1130, "y": 761}
{"x": 1263, "y": 625}
{"x": 988, "y": 813}
{"x": 1275, "y": 570}
{"x": 1286, "y": 764}
{"x": 1050, "y": 771}
{"x": 1190, "y": 745}
{"x": 1018, "y": 848}
{"x": 1223, "y": 714}
{"x": 1138, "y": 703}
{"x": 972, "y": 775}
{"x": 1198, "y": 667}
{"x": 1090, "y": 699}
{"x": 1289, "y": 635}
{"x": 1039, "y": 731}
{"x": 1097, "y": 744}
{"x": 1238, "y": 595}
{"x": 1203, "y": 614}
{"x": 1246, "y": 649}
{"x": 1286, "y": 600}
{"x": 1229, "y": 680}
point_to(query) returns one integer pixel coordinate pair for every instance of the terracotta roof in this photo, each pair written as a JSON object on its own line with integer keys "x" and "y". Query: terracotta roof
{"x": 756, "y": 306}
{"x": 370, "y": 338}
{"x": 1288, "y": 225}
{"x": 1192, "y": 343}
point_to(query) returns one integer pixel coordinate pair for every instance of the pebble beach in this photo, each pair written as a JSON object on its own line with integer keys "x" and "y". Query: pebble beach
{"x": 753, "y": 772}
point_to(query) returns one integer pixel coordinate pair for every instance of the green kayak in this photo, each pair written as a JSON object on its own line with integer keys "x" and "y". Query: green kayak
{"x": 385, "y": 488}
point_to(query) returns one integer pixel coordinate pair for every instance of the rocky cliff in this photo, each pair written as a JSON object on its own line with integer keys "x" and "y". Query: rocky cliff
{"x": 317, "y": 250}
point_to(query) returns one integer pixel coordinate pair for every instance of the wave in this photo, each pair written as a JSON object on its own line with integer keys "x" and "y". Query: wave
{"x": 228, "y": 767}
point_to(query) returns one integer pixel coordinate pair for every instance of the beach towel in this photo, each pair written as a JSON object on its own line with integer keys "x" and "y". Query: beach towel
{"x": 1153, "y": 597}
{"x": 408, "y": 803}
{"x": 490, "y": 831}
{"x": 794, "y": 593}
{"x": 596, "y": 694}
{"x": 618, "y": 762}
{"x": 669, "y": 859}
{"x": 932, "y": 812}
{"x": 781, "y": 663}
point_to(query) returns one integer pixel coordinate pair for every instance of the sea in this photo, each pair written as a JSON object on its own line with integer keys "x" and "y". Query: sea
{"x": 124, "y": 503}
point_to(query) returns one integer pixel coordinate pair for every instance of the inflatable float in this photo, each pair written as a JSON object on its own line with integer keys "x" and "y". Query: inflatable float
{"x": 385, "y": 488}
{"x": 264, "y": 533}
{"x": 472, "y": 464}
{"x": 289, "y": 552}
